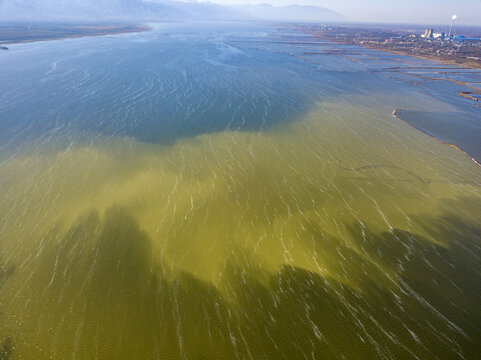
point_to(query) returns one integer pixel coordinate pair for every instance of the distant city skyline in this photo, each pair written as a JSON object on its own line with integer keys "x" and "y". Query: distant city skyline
{"x": 429, "y": 12}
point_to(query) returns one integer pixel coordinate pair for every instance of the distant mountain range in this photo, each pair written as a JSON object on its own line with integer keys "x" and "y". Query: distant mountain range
{"x": 289, "y": 13}
{"x": 161, "y": 10}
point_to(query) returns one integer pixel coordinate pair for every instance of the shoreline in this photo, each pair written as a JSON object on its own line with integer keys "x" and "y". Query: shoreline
{"x": 454, "y": 146}
{"x": 470, "y": 95}
{"x": 467, "y": 64}
{"x": 60, "y": 33}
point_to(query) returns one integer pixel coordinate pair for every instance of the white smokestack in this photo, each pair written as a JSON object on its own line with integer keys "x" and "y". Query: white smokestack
{"x": 454, "y": 17}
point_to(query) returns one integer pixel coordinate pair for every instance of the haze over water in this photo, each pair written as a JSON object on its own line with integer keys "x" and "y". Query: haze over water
{"x": 205, "y": 192}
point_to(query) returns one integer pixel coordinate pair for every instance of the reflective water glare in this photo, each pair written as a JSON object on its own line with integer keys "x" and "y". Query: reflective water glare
{"x": 204, "y": 193}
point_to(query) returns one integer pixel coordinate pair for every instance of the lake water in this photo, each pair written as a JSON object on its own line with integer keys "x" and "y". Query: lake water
{"x": 217, "y": 191}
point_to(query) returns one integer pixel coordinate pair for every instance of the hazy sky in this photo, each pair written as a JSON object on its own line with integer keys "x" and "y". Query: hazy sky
{"x": 425, "y": 12}
{"x": 414, "y": 11}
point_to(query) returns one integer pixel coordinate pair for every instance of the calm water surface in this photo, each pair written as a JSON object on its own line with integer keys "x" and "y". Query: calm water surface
{"x": 214, "y": 192}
